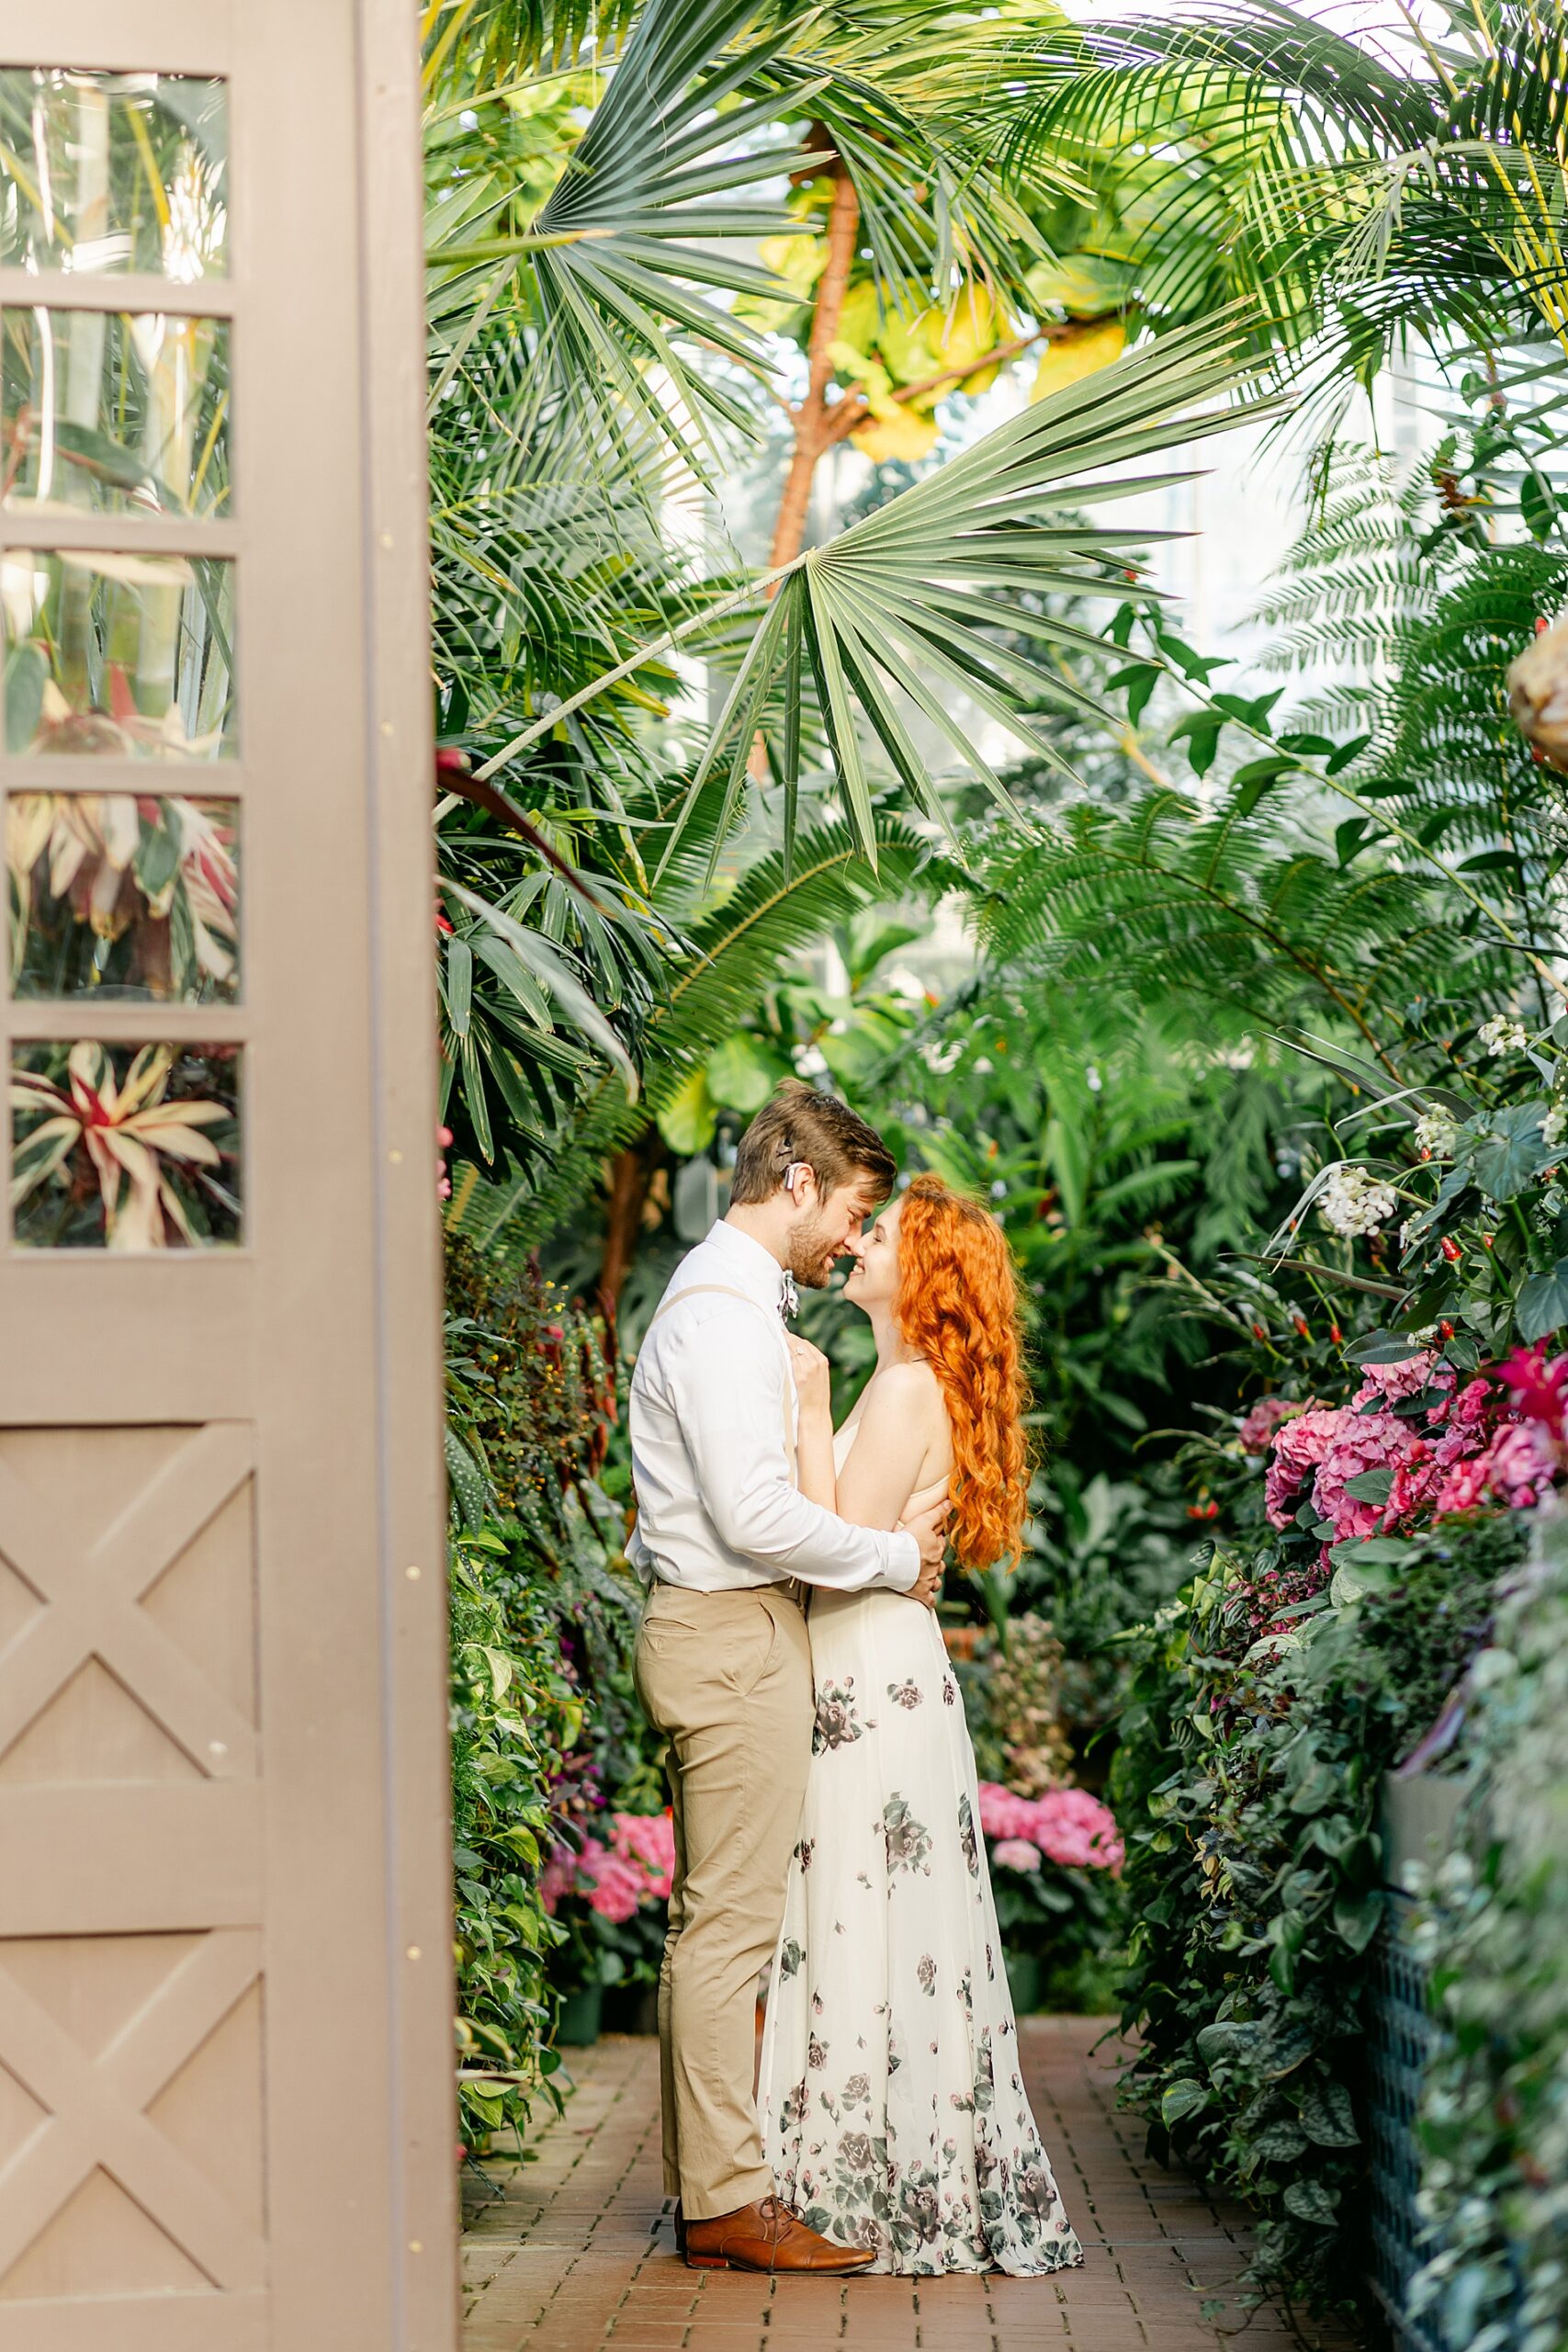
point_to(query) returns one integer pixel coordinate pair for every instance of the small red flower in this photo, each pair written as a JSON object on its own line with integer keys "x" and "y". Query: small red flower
{"x": 1486, "y": 1241}
{"x": 1303, "y": 1325}
{"x": 1260, "y": 1330}
{"x": 1447, "y": 1329}
{"x": 1452, "y": 1249}
{"x": 1336, "y": 1334}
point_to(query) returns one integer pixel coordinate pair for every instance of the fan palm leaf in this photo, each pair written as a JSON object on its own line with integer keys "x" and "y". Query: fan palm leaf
{"x": 1377, "y": 193}
{"x": 908, "y": 609}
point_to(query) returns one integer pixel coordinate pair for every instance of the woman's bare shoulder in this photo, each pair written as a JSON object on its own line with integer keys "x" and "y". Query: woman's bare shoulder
{"x": 910, "y": 1392}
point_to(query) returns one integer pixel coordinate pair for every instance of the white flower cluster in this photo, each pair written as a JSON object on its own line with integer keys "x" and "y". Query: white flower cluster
{"x": 1354, "y": 1200}
{"x": 1436, "y": 1134}
{"x": 1502, "y": 1035}
{"x": 1554, "y": 1126}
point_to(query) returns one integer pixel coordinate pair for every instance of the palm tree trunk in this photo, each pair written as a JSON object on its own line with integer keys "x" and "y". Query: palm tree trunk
{"x": 631, "y": 1172}
{"x": 813, "y": 420}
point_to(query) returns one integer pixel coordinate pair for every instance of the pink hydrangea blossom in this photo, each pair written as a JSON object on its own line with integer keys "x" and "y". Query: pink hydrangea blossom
{"x": 636, "y": 1866}
{"x": 1363, "y": 1442}
{"x": 1067, "y": 1826}
{"x": 1515, "y": 1469}
{"x": 1264, "y": 1418}
{"x": 1299, "y": 1446}
{"x": 1393, "y": 1382}
{"x": 613, "y": 1886}
{"x": 1467, "y": 1450}
{"x": 1003, "y": 1815}
{"x": 1521, "y": 1463}
{"x": 1016, "y": 1854}
{"x": 1076, "y": 1829}
{"x": 648, "y": 1839}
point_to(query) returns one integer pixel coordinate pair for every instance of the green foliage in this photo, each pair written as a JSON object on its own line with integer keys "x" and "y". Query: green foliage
{"x": 1377, "y": 191}
{"x": 1246, "y": 1783}
{"x": 1071, "y": 1923}
{"x": 543, "y": 1613}
{"x": 1494, "y": 2106}
{"x": 514, "y": 1715}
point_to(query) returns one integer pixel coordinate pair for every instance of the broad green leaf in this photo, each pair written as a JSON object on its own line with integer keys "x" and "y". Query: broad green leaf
{"x": 1310, "y": 2202}
{"x": 1541, "y": 1307}
{"x": 1511, "y": 1152}
{"x": 742, "y": 1072}
{"x": 688, "y": 1117}
{"x": 1183, "y": 2098}
{"x": 1325, "y": 2116}
{"x": 1358, "y": 1918}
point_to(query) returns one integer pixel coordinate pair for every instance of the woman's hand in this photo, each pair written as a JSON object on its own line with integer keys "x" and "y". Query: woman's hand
{"x": 813, "y": 1376}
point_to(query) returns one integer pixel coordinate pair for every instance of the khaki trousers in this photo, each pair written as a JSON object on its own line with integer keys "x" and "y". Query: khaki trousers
{"x": 725, "y": 1677}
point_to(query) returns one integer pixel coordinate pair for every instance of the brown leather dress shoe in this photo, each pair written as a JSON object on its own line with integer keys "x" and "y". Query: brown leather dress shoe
{"x": 766, "y": 2237}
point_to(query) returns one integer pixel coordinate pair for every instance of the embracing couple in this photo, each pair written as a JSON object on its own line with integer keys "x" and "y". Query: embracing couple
{"x": 826, "y": 1811}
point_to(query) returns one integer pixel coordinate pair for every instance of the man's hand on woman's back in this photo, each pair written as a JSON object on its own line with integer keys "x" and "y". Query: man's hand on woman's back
{"x": 929, "y": 1528}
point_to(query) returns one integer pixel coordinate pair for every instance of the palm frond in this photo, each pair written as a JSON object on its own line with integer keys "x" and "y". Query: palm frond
{"x": 772, "y": 912}
{"x": 920, "y": 607}
{"x": 1379, "y": 195}
{"x": 1160, "y": 902}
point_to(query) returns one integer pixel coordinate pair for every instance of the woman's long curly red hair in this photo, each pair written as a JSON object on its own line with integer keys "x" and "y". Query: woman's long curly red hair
{"x": 957, "y": 1305}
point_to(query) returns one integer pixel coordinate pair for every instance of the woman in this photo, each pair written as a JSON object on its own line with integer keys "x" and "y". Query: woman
{"x": 893, "y": 2102}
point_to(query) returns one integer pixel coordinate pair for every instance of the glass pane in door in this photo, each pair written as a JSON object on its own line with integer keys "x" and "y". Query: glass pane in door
{"x": 115, "y": 414}
{"x": 125, "y": 655}
{"x": 113, "y": 172}
{"x": 124, "y": 895}
{"x": 126, "y": 1148}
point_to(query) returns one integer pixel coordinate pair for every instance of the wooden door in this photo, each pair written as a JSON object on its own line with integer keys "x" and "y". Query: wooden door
{"x": 225, "y": 2117}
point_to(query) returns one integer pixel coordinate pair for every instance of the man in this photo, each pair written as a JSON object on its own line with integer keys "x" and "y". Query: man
{"x": 723, "y": 1658}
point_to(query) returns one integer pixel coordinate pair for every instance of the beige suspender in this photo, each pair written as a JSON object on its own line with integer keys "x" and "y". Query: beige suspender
{"x": 724, "y": 1290}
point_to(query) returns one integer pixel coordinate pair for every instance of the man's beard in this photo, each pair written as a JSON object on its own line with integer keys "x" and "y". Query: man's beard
{"x": 811, "y": 1260}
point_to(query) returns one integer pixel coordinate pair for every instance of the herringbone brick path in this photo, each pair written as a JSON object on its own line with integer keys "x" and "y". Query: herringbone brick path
{"x": 576, "y": 2254}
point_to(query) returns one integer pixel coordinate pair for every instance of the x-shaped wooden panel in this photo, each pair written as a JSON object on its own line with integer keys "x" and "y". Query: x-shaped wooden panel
{"x": 92, "y": 1599}
{"x": 96, "y": 2115}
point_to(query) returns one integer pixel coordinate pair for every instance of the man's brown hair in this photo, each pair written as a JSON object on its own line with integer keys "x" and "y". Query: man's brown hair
{"x": 798, "y": 1124}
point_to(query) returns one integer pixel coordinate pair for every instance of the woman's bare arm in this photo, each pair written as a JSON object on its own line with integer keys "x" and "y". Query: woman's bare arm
{"x": 901, "y": 1444}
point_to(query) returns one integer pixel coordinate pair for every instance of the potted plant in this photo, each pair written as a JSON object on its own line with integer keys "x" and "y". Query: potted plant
{"x": 610, "y": 1897}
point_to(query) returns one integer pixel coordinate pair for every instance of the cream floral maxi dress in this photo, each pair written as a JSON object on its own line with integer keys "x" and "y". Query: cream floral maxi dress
{"x": 893, "y": 2112}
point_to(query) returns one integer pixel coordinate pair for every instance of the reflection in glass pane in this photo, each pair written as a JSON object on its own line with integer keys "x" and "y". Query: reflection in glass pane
{"x": 125, "y": 1146}
{"x": 113, "y": 172}
{"x": 127, "y": 655}
{"x": 123, "y": 895}
{"x": 104, "y": 411}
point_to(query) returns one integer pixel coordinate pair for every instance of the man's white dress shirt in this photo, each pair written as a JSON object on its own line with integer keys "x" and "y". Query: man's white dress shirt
{"x": 711, "y": 1399}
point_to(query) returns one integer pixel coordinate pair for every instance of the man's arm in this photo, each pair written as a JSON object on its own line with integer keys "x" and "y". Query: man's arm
{"x": 727, "y": 1381}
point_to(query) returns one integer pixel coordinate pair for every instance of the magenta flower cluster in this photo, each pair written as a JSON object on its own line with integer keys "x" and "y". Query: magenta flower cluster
{"x": 616, "y": 1877}
{"x": 1067, "y": 1826}
{"x": 1468, "y": 1448}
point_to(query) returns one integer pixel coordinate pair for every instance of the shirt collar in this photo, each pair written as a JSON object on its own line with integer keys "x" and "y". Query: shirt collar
{"x": 755, "y": 1269}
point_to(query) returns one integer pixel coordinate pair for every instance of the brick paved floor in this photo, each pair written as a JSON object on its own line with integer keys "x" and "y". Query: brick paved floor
{"x": 576, "y": 2253}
